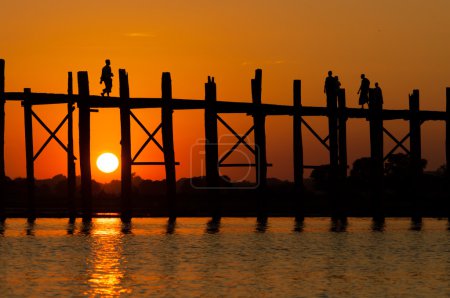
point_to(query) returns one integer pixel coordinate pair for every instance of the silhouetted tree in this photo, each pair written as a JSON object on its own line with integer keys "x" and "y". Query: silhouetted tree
{"x": 360, "y": 172}
{"x": 442, "y": 170}
{"x": 399, "y": 165}
{"x": 398, "y": 170}
{"x": 321, "y": 176}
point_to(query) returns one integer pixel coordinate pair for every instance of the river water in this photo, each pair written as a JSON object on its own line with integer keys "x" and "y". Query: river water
{"x": 236, "y": 258}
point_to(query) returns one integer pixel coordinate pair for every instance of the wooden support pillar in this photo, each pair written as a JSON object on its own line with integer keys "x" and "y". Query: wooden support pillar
{"x": 2, "y": 120}
{"x": 342, "y": 119}
{"x": 126, "y": 146}
{"x": 84, "y": 125}
{"x": 167, "y": 138}
{"x": 416, "y": 154}
{"x": 447, "y": 144}
{"x": 259, "y": 122}
{"x": 211, "y": 148}
{"x": 2, "y": 139}
{"x": 298, "y": 153}
{"x": 334, "y": 155}
{"x": 342, "y": 154}
{"x": 29, "y": 155}
{"x": 71, "y": 177}
{"x": 376, "y": 156}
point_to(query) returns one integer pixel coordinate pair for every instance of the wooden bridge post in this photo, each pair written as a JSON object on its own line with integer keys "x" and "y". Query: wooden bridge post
{"x": 334, "y": 155}
{"x": 416, "y": 154}
{"x": 342, "y": 119}
{"x": 125, "y": 146}
{"x": 259, "y": 121}
{"x": 376, "y": 155}
{"x": 298, "y": 153}
{"x": 2, "y": 120}
{"x": 71, "y": 177}
{"x": 29, "y": 155}
{"x": 2, "y": 139}
{"x": 168, "y": 145}
{"x": 447, "y": 143}
{"x": 84, "y": 125}
{"x": 342, "y": 154}
{"x": 211, "y": 147}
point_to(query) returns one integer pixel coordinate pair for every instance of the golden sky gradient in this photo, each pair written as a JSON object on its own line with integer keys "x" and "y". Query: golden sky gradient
{"x": 403, "y": 45}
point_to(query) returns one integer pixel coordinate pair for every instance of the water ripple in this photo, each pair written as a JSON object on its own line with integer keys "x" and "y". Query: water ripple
{"x": 233, "y": 257}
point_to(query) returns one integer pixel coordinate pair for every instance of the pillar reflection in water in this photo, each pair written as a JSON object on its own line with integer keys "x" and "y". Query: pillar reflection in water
{"x": 106, "y": 262}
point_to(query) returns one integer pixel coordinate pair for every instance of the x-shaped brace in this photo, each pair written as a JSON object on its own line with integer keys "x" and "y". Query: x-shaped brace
{"x": 52, "y": 133}
{"x": 241, "y": 140}
{"x": 399, "y": 143}
{"x": 151, "y": 136}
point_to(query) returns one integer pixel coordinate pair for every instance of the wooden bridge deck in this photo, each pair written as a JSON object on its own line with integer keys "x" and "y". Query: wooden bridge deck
{"x": 221, "y": 106}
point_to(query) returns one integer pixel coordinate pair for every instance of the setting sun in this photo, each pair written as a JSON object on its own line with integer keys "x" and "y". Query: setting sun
{"x": 107, "y": 162}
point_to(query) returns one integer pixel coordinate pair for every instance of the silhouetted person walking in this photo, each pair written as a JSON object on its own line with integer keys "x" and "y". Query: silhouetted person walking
{"x": 378, "y": 93}
{"x": 364, "y": 91}
{"x": 330, "y": 85}
{"x": 106, "y": 77}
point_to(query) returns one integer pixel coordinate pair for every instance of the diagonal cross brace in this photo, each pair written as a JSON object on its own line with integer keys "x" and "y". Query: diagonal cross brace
{"x": 399, "y": 143}
{"x": 396, "y": 146}
{"x": 322, "y": 141}
{"x": 151, "y": 136}
{"x": 328, "y": 136}
{"x": 241, "y": 140}
{"x": 52, "y": 133}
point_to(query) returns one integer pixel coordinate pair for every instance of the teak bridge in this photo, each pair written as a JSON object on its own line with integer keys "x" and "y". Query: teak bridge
{"x": 336, "y": 141}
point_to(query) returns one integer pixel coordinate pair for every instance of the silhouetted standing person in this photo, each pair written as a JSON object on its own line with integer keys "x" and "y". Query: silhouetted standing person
{"x": 364, "y": 91}
{"x": 330, "y": 85}
{"x": 337, "y": 83}
{"x": 378, "y": 93}
{"x": 106, "y": 77}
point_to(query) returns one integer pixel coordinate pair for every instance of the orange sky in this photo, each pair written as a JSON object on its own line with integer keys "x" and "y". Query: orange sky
{"x": 403, "y": 45}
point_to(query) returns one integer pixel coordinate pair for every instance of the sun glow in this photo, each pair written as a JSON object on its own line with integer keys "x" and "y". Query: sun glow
{"x": 107, "y": 162}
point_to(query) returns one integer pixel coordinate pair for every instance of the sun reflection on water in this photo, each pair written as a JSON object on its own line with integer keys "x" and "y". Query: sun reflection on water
{"x": 106, "y": 262}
